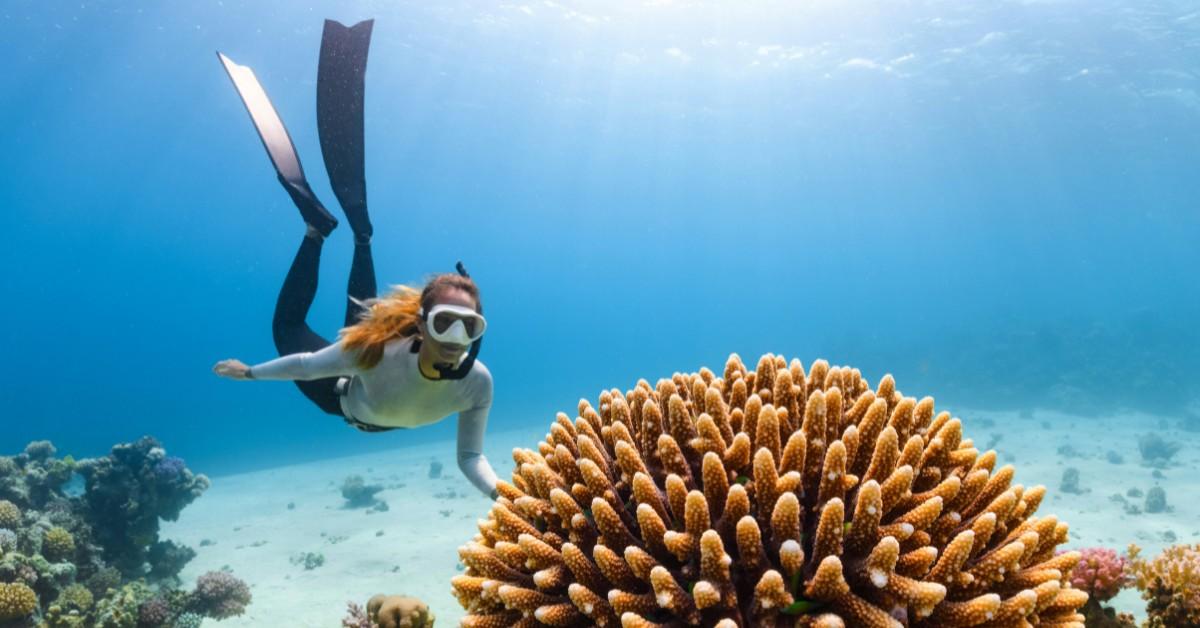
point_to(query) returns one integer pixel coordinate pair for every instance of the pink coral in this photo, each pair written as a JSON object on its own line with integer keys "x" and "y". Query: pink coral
{"x": 221, "y": 595}
{"x": 356, "y": 617}
{"x": 1101, "y": 572}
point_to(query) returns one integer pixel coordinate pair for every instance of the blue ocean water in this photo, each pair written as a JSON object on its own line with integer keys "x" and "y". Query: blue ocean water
{"x": 996, "y": 202}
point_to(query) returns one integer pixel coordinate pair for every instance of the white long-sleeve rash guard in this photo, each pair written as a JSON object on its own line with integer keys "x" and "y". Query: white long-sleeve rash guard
{"x": 395, "y": 393}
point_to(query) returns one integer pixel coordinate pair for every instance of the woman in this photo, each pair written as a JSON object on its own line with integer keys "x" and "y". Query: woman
{"x": 404, "y": 360}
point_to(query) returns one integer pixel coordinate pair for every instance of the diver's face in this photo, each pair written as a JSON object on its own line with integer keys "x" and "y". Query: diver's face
{"x": 445, "y": 352}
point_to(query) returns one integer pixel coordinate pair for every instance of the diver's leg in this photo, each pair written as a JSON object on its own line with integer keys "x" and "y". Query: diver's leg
{"x": 362, "y": 279}
{"x": 290, "y": 327}
{"x": 340, "y": 86}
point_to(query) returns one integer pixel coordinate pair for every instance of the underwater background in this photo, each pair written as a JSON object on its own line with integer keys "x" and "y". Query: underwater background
{"x": 995, "y": 201}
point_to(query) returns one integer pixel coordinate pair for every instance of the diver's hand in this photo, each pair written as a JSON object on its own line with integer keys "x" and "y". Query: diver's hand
{"x": 233, "y": 369}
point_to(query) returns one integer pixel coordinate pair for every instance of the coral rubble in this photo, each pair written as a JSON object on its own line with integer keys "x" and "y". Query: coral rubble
{"x": 1070, "y": 482}
{"x": 359, "y": 494}
{"x": 1156, "y": 450}
{"x": 771, "y": 497}
{"x": 1156, "y": 500}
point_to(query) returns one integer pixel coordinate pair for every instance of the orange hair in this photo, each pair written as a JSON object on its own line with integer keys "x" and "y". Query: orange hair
{"x": 396, "y": 314}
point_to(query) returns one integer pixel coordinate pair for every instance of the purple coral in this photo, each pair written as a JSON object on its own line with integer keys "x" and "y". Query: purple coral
{"x": 153, "y": 613}
{"x": 169, "y": 468}
{"x": 128, "y": 492}
{"x": 27, "y": 574}
{"x": 356, "y": 617}
{"x": 1101, "y": 572}
{"x": 220, "y": 594}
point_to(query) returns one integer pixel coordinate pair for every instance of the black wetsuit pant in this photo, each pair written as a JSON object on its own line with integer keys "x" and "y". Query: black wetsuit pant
{"x": 290, "y": 327}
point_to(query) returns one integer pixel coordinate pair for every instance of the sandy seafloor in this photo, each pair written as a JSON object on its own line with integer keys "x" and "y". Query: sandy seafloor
{"x": 245, "y": 521}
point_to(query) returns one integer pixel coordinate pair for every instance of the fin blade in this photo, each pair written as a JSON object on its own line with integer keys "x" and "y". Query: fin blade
{"x": 340, "y": 95}
{"x": 271, "y": 131}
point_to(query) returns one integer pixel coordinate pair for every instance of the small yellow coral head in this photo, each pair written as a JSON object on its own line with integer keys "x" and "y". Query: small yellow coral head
{"x": 17, "y": 600}
{"x": 10, "y": 515}
{"x": 58, "y": 544}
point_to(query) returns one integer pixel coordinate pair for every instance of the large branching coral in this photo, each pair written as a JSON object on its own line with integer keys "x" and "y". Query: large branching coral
{"x": 771, "y": 497}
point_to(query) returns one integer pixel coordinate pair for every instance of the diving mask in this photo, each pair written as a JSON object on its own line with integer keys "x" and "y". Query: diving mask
{"x": 454, "y": 324}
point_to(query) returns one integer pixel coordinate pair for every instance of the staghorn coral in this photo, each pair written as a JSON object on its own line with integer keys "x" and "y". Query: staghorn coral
{"x": 1170, "y": 584}
{"x": 771, "y": 497}
{"x": 16, "y": 601}
{"x": 10, "y": 515}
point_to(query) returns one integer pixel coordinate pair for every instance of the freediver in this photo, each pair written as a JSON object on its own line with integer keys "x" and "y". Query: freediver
{"x": 403, "y": 360}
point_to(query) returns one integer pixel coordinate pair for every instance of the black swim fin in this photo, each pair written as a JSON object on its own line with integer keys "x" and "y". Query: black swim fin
{"x": 279, "y": 146}
{"x": 340, "y": 89}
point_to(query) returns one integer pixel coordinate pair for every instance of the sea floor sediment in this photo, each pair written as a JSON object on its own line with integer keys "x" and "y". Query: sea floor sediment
{"x": 288, "y": 532}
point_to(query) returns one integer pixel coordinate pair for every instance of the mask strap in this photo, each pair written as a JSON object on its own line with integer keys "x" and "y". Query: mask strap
{"x": 464, "y": 367}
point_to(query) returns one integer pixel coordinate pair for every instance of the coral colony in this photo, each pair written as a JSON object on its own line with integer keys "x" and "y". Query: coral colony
{"x": 1170, "y": 584}
{"x": 95, "y": 559}
{"x": 774, "y": 497}
{"x": 771, "y": 497}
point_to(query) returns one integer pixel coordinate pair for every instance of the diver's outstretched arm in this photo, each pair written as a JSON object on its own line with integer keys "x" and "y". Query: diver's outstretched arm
{"x": 471, "y": 461}
{"x": 332, "y": 361}
{"x": 279, "y": 146}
